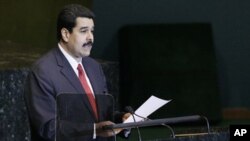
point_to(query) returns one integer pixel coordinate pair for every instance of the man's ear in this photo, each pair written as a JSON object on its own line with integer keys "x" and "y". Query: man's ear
{"x": 65, "y": 34}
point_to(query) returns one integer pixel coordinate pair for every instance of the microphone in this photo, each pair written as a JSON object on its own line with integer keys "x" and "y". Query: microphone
{"x": 131, "y": 110}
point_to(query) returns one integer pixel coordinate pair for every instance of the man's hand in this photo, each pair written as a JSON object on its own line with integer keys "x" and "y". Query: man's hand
{"x": 106, "y": 133}
{"x": 125, "y": 116}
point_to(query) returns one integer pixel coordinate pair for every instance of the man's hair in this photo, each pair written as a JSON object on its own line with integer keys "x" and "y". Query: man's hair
{"x": 67, "y": 17}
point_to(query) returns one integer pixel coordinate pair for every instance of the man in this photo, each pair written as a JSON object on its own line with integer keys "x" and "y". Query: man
{"x": 68, "y": 69}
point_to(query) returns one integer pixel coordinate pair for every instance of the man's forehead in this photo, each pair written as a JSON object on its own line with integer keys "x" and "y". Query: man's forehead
{"x": 84, "y": 22}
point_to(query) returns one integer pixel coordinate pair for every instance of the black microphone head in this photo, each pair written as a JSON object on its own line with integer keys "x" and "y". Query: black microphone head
{"x": 129, "y": 109}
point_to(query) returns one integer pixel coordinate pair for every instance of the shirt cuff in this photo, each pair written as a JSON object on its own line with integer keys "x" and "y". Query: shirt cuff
{"x": 94, "y": 135}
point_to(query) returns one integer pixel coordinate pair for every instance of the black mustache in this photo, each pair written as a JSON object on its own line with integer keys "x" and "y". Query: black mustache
{"x": 88, "y": 43}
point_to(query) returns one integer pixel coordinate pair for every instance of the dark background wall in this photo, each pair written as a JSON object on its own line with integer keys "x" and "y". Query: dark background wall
{"x": 230, "y": 24}
{"x": 31, "y": 22}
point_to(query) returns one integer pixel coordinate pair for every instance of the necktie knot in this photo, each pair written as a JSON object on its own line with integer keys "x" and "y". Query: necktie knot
{"x": 80, "y": 69}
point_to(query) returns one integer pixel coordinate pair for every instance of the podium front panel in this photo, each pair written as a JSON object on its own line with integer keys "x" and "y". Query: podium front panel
{"x": 75, "y": 119}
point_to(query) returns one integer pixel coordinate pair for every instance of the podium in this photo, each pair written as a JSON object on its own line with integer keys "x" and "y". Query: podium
{"x": 75, "y": 120}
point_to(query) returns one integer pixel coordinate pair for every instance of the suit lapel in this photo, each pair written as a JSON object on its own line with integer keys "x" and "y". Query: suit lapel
{"x": 69, "y": 74}
{"x": 67, "y": 71}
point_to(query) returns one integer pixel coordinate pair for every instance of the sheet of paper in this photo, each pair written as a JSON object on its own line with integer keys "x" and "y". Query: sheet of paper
{"x": 147, "y": 108}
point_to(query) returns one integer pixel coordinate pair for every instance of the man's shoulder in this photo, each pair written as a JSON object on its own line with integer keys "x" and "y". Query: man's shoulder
{"x": 46, "y": 60}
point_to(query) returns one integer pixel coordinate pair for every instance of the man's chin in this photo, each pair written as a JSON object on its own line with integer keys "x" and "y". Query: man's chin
{"x": 85, "y": 54}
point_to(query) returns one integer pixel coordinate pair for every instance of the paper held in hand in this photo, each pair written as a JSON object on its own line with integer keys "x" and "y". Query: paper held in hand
{"x": 147, "y": 108}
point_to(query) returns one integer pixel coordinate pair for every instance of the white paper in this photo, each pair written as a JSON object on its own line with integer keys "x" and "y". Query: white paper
{"x": 147, "y": 108}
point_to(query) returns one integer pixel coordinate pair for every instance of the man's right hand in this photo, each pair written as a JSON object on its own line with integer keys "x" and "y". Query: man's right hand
{"x": 106, "y": 133}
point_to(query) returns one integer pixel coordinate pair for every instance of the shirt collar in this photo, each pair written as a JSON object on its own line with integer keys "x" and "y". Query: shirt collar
{"x": 73, "y": 61}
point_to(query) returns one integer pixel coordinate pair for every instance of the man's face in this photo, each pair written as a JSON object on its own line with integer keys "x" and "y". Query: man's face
{"x": 81, "y": 39}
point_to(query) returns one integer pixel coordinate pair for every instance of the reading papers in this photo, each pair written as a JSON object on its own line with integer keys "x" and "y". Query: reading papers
{"x": 147, "y": 108}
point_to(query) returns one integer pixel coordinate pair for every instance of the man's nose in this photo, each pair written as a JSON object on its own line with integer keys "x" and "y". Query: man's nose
{"x": 90, "y": 36}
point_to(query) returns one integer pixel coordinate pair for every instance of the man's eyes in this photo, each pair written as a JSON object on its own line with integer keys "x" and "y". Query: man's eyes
{"x": 84, "y": 31}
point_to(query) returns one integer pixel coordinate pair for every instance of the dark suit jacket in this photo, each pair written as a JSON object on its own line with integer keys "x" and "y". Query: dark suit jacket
{"x": 52, "y": 76}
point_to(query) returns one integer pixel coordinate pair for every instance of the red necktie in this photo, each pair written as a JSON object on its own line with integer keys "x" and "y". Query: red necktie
{"x": 82, "y": 77}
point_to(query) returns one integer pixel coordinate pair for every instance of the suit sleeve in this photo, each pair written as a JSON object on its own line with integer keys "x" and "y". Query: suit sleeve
{"x": 40, "y": 102}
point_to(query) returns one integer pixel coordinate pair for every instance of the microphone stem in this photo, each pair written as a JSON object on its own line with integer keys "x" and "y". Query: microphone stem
{"x": 138, "y": 131}
{"x": 170, "y": 128}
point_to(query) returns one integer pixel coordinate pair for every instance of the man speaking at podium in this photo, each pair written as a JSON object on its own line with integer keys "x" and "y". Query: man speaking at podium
{"x": 68, "y": 69}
